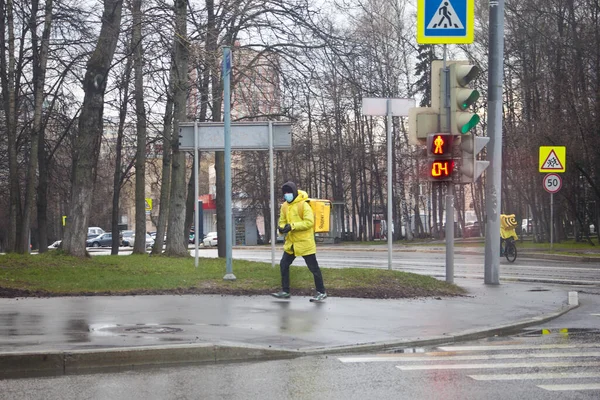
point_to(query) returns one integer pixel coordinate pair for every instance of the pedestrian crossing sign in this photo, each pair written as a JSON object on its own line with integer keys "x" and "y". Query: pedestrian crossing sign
{"x": 445, "y": 21}
{"x": 553, "y": 159}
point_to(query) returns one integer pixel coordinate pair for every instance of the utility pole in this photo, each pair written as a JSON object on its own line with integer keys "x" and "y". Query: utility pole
{"x": 493, "y": 200}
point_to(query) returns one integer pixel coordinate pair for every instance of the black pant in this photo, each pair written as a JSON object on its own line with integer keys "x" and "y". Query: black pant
{"x": 313, "y": 266}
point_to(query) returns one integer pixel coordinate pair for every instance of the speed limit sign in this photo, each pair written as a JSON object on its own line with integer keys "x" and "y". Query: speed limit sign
{"x": 552, "y": 183}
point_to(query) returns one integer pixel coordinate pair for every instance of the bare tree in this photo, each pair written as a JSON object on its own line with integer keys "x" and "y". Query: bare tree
{"x": 9, "y": 96}
{"x": 139, "y": 246}
{"x": 175, "y": 239}
{"x": 90, "y": 128}
{"x": 40, "y": 60}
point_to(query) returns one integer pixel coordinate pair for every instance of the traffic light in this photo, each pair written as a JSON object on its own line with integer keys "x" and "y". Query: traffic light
{"x": 471, "y": 168}
{"x": 439, "y": 151}
{"x": 462, "y": 97}
{"x": 425, "y": 120}
{"x": 421, "y": 122}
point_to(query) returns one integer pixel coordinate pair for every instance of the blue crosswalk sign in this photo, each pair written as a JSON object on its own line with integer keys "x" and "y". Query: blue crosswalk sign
{"x": 445, "y": 21}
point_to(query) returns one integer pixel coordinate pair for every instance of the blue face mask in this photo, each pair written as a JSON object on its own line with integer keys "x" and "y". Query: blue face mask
{"x": 289, "y": 197}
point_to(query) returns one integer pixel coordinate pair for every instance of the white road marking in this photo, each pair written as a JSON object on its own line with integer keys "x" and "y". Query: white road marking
{"x": 518, "y": 347}
{"x": 450, "y": 357}
{"x": 581, "y": 386}
{"x": 498, "y": 365}
{"x": 521, "y": 377}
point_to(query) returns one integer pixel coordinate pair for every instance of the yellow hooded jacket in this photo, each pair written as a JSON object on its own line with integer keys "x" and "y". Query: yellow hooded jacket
{"x": 508, "y": 223}
{"x": 300, "y": 241}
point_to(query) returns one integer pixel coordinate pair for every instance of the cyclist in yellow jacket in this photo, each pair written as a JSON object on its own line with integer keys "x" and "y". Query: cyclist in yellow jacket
{"x": 508, "y": 223}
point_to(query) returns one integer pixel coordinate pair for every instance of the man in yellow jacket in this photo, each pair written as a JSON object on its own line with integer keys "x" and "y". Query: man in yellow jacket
{"x": 297, "y": 220}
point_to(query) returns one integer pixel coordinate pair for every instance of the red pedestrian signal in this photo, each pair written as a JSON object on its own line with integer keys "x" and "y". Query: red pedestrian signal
{"x": 439, "y": 144}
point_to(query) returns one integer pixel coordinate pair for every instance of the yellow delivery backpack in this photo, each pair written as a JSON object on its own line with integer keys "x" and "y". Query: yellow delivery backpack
{"x": 321, "y": 210}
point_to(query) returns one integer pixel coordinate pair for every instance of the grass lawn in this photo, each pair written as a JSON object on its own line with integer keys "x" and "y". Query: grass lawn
{"x": 55, "y": 274}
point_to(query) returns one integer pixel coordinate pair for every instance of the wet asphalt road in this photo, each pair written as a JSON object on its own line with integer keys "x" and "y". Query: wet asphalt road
{"x": 557, "y": 360}
{"x": 434, "y": 263}
{"x": 468, "y": 263}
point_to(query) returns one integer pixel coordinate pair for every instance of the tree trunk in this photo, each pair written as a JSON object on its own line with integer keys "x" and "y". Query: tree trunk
{"x": 165, "y": 187}
{"x": 175, "y": 245}
{"x": 40, "y": 60}
{"x": 139, "y": 246}
{"x": 212, "y": 61}
{"x": 7, "y": 75}
{"x": 118, "y": 174}
{"x": 87, "y": 143}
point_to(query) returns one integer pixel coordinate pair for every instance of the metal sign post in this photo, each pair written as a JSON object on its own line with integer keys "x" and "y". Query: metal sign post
{"x": 196, "y": 211}
{"x": 229, "y": 276}
{"x": 552, "y": 184}
{"x": 210, "y": 136}
{"x": 272, "y": 194}
{"x": 450, "y": 193}
{"x": 388, "y": 108}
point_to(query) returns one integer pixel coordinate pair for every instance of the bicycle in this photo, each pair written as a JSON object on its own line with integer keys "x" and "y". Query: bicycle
{"x": 510, "y": 249}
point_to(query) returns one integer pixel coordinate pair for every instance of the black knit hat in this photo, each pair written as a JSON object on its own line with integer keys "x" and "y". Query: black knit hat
{"x": 290, "y": 187}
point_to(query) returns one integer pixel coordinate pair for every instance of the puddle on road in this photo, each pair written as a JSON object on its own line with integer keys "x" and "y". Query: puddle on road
{"x": 120, "y": 330}
{"x": 408, "y": 350}
{"x": 153, "y": 329}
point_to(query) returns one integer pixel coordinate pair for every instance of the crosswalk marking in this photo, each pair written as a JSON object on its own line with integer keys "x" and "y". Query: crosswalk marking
{"x": 499, "y": 365}
{"x": 518, "y": 347}
{"x": 451, "y": 357}
{"x": 552, "y": 363}
{"x": 522, "y": 377}
{"x": 580, "y": 386}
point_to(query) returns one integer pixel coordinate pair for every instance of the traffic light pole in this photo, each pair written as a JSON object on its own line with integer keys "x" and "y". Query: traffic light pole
{"x": 493, "y": 200}
{"x": 389, "y": 181}
{"x": 450, "y": 192}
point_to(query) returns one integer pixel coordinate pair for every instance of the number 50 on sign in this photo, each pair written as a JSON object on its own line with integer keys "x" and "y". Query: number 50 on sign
{"x": 552, "y": 183}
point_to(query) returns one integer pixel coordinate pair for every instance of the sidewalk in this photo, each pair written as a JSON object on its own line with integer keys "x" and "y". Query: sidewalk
{"x": 66, "y": 335}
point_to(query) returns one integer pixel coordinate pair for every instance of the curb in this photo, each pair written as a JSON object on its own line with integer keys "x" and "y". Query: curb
{"x": 45, "y": 363}
{"x": 444, "y": 339}
{"x": 560, "y": 257}
{"x": 51, "y": 363}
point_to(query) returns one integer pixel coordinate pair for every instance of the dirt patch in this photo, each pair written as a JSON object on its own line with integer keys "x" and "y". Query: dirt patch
{"x": 383, "y": 292}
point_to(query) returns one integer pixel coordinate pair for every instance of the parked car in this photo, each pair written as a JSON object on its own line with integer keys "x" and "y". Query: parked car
{"x": 210, "y": 239}
{"x": 128, "y": 238}
{"x": 95, "y": 231}
{"x": 526, "y": 226}
{"x": 56, "y": 245}
{"x": 103, "y": 240}
{"x": 472, "y": 230}
{"x": 149, "y": 240}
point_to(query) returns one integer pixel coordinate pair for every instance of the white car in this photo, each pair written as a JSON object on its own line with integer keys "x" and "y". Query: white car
{"x": 210, "y": 239}
{"x": 55, "y": 245}
{"x": 149, "y": 240}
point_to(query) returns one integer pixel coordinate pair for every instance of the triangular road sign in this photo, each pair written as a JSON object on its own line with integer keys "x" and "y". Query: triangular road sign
{"x": 552, "y": 162}
{"x": 445, "y": 17}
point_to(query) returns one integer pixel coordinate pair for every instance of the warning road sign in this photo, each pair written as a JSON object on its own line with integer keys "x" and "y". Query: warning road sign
{"x": 553, "y": 159}
{"x": 445, "y": 21}
{"x": 148, "y": 204}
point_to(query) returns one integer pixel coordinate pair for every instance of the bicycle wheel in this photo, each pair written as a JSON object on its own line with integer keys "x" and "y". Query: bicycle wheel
{"x": 510, "y": 251}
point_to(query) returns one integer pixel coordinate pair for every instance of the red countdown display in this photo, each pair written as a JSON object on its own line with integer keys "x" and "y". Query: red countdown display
{"x": 441, "y": 170}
